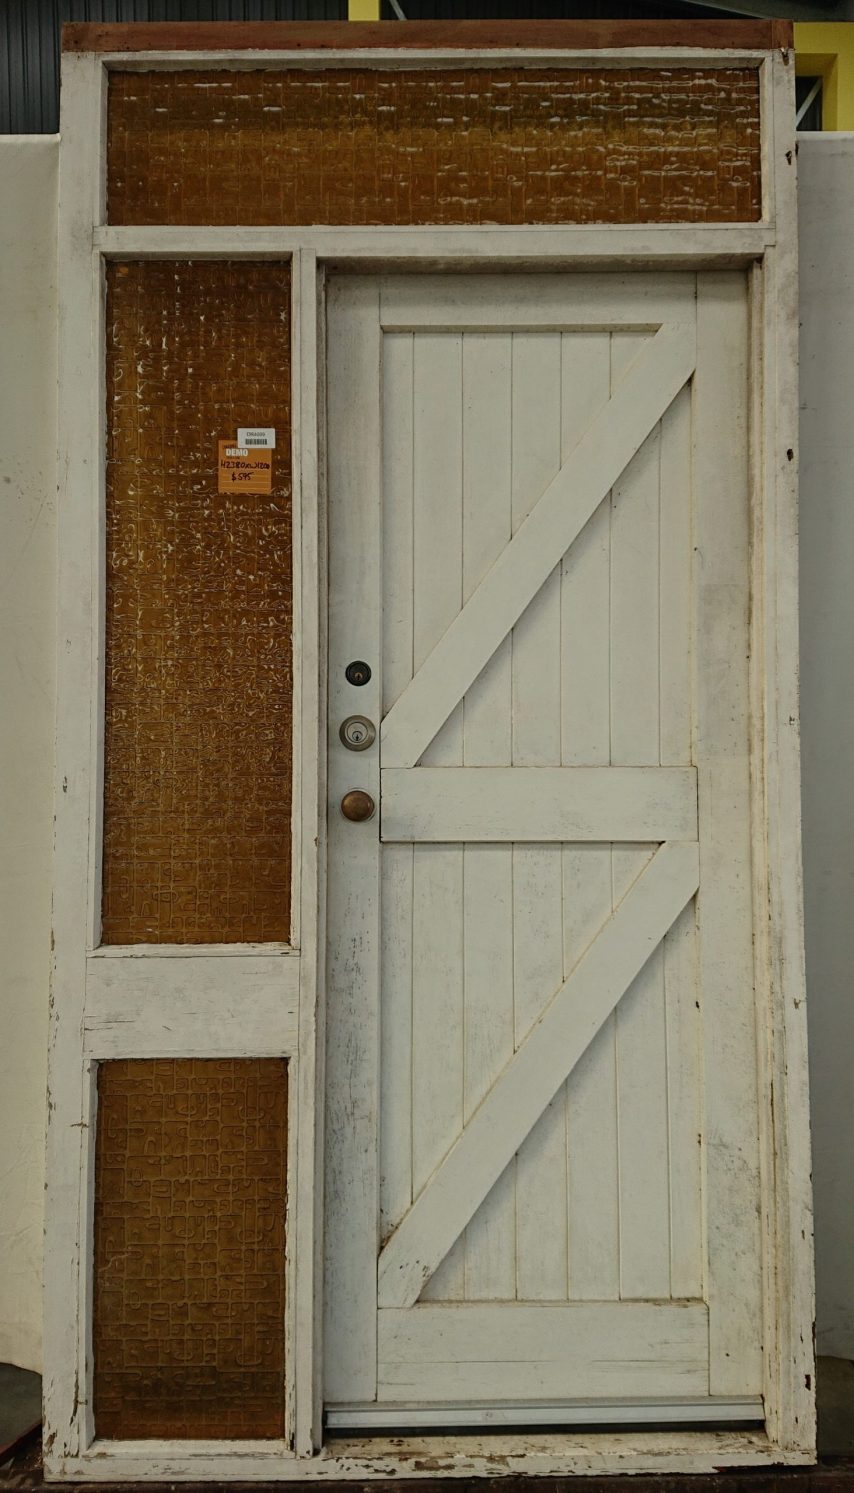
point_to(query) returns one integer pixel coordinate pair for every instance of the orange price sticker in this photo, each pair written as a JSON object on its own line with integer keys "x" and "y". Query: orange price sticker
{"x": 244, "y": 467}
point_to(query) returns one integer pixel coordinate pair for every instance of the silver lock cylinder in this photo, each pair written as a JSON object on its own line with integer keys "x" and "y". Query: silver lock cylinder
{"x": 357, "y": 733}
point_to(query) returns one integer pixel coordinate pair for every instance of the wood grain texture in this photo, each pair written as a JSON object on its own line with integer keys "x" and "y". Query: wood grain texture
{"x": 590, "y": 1349}
{"x": 727, "y": 931}
{"x": 190, "y": 1198}
{"x": 568, "y": 500}
{"x": 443, "y": 146}
{"x": 438, "y": 995}
{"x": 553, "y": 1161}
{"x": 539, "y": 1066}
{"x": 591, "y": 1101}
{"x": 351, "y": 1177}
{"x": 539, "y": 803}
{"x": 527, "y": 397}
{"x": 164, "y": 1007}
{"x": 329, "y": 35}
{"x": 199, "y": 678}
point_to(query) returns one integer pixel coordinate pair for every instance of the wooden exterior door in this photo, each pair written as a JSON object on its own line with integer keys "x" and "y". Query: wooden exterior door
{"x": 542, "y": 1153}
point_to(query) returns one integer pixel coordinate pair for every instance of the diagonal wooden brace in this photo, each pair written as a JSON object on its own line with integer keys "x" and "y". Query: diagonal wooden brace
{"x": 613, "y": 437}
{"x": 532, "y": 1077}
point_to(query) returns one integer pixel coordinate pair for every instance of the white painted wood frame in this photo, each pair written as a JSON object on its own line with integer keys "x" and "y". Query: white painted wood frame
{"x": 287, "y": 982}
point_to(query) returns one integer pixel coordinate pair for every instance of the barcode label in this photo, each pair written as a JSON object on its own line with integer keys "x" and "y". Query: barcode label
{"x": 263, "y": 435}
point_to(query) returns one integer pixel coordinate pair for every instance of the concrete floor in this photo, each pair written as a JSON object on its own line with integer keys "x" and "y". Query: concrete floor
{"x": 835, "y": 1395}
{"x": 20, "y": 1403}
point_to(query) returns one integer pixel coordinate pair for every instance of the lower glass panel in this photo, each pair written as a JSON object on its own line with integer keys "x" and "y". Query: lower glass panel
{"x": 190, "y": 1195}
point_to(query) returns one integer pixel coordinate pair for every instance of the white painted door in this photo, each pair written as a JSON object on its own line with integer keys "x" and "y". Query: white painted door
{"x": 542, "y": 1118}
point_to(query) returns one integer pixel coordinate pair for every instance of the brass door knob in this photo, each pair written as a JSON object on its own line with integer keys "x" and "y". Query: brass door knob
{"x": 357, "y": 805}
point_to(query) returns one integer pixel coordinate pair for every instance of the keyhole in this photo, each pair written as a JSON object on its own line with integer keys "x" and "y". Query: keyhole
{"x": 358, "y": 672}
{"x": 357, "y": 733}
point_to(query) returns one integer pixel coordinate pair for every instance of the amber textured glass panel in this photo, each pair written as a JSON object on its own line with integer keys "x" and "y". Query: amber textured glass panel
{"x": 485, "y": 145}
{"x": 197, "y": 760}
{"x": 189, "y": 1308}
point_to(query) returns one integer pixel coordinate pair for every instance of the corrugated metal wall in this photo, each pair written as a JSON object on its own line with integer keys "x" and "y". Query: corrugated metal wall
{"x": 616, "y": 10}
{"x": 588, "y": 10}
{"x": 30, "y": 30}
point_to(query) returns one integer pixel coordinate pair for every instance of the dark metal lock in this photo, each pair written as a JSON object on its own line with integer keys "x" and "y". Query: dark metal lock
{"x": 357, "y": 805}
{"x": 357, "y": 672}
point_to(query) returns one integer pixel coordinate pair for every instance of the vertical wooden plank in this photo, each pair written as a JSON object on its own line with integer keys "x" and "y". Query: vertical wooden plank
{"x": 591, "y": 1090}
{"x": 541, "y": 1220}
{"x": 353, "y": 974}
{"x": 681, "y": 994}
{"x": 585, "y": 580}
{"x": 731, "y": 1150}
{"x": 305, "y": 1409}
{"x": 487, "y": 528}
{"x": 397, "y": 533}
{"x": 634, "y": 593}
{"x": 70, "y": 1136}
{"x": 788, "y": 1220}
{"x": 641, "y": 1052}
{"x": 396, "y": 1058}
{"x": 675, "y": 622}
{"x": 683, "y": 1035}
{"x": 437, "y": 936}
{"x": 490, "y": 1240}
{"x": 437, "y": 566}
{"x": 437, "y": 1031}
{"x": 642, "y": 1114}
{"x": 593, "y": 1179}
{"x": 397, "y": 883}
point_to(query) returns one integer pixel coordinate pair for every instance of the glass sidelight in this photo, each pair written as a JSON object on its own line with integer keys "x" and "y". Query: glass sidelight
{"x": 189, "y": 1309}
{"x": 199, "y": 676}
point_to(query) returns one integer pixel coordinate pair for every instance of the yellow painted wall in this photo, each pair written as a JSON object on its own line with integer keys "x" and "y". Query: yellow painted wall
{"x": 822, "y": 48}
{"x": 826, "y": 49}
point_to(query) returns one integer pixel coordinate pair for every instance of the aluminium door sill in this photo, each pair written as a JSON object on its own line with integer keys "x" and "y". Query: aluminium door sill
{"x": 745, "y": 1410}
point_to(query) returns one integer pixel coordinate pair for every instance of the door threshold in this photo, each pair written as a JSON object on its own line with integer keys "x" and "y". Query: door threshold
{"x": 746, "y": 1410}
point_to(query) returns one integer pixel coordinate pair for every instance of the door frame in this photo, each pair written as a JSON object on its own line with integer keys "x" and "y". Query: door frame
{"x": 287, "y": 981}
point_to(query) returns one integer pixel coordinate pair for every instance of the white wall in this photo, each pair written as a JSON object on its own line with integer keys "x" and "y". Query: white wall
{"x": 27, "y": 564}
{"x": 826, "y": 177}
{"x": 27, "y": 646}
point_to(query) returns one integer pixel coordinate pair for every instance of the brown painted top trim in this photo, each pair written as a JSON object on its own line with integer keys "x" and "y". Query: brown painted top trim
{"x": 202, "y": 36}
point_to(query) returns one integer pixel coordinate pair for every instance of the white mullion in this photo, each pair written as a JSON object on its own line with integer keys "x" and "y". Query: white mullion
{"x": 767, "y": 172}
{"x": 70, "y": 1139}
{"x": 351, "y": 1173}
{"x": 310, "y": 59}
{"x": 788, "y": 1193}
{"x": 669, "y": 246}
{"x": 97, "y": 621}
{"x": 305, "y": 1200}
{"x": 298, "y": 671}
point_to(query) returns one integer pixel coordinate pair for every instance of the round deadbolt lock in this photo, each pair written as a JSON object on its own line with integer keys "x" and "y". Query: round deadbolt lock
{"x": 357, "y": 805}
{"x": 358, "y": 733}
{"x": 357, "y": 672}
